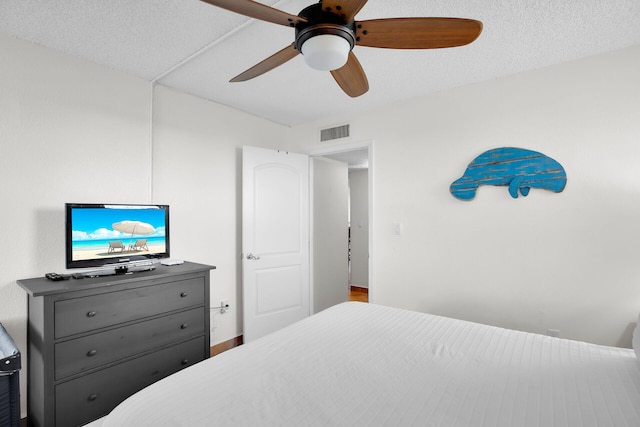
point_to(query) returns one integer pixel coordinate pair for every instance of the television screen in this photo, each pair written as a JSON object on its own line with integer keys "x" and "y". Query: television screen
{"x": 99, "y": 235}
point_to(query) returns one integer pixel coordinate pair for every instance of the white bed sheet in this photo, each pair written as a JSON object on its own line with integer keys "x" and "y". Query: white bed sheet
{"x": 361, "y": 364}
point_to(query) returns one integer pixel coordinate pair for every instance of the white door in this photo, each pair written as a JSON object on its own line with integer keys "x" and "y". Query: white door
{"x": 275, "y": 240}
{"x": 330, "y": 238}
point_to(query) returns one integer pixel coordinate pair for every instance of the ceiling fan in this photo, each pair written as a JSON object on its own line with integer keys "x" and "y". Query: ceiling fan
{"x": 326, "y": 32}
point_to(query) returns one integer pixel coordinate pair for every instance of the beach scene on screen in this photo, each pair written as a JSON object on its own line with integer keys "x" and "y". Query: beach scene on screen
{"x": 117, "y": 232}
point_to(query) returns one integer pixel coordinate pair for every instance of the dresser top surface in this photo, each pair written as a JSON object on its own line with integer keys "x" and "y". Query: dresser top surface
{"x": 40, "y": 286}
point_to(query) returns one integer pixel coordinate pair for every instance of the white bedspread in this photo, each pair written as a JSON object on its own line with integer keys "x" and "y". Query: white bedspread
{"x": 361, "y": 364}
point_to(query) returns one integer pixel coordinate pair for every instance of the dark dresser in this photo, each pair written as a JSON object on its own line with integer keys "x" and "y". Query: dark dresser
{"x": 93, "y": 342}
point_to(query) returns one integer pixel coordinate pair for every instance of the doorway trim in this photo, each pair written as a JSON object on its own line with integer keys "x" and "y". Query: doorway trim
{"x": 369, "y": 145}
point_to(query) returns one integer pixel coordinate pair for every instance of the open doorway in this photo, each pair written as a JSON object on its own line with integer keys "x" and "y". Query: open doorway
{"x": 358, "y": 234}
{"x": 359, "y": 158}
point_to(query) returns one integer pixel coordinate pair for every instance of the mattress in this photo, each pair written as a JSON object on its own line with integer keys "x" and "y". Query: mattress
{"x": 359, "y": 364}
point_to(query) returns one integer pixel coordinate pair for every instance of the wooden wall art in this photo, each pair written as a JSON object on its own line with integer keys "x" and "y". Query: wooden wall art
{"x": 517, "y": 168}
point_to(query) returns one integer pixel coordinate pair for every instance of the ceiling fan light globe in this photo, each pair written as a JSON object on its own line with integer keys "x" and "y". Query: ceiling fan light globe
{"x": 326, "y": 52}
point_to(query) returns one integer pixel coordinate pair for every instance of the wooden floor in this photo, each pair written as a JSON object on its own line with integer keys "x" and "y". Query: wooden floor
{"x": 359, "y": 294}
{"x": 227, "y": 345}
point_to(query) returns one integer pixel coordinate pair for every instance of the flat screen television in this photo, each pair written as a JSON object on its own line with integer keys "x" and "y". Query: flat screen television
{"x": 99, "y": 235}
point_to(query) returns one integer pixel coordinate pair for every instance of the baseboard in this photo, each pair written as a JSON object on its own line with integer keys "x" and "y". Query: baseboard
{"x": 227, "y": 345}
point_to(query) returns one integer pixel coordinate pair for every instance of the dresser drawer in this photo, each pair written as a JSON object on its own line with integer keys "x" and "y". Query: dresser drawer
{"x": 96, "y": 394}
{"x": 84, "y": 314}
{"x": 80, "y": 354}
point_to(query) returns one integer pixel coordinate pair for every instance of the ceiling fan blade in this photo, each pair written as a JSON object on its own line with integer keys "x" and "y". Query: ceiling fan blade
{"x": 346, "y": 8}
{"x": 268, "y": 64}
{"x": 351, "y": 77}
{"x": 417, "y": 33}
{"x": 259, "y": 11}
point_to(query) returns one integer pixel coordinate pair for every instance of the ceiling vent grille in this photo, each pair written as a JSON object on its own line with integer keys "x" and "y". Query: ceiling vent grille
{"x": 334, "y": 133}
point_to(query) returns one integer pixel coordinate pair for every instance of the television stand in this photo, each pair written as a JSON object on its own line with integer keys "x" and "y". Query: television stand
{"x": 123, "y": 269}
{"x": 137, "y": 268}
{"x": 100, "y": 273}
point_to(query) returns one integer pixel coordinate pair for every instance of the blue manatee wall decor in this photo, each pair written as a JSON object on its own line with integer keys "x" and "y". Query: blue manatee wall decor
{"x": 517, "y": 168}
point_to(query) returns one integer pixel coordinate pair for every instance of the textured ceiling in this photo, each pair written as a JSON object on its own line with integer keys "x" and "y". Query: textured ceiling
{"x": 194, "y": 47}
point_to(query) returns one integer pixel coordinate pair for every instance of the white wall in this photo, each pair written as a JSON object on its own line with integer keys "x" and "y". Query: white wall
{"x": 359, "y": 199}
{"x": 73, "y": 131}
{"x": 565, "y": 261}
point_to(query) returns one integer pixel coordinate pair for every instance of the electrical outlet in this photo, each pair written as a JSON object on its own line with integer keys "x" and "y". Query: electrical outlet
{"x": 553, "y": 333}
{"x": 224, "y": 306}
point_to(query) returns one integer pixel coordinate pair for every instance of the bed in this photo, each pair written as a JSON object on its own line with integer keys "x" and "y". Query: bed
{"x": 358, "y": 364}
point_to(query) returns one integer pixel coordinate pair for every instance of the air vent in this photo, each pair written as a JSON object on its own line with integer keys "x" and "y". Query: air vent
{"x": 334, "y": 133}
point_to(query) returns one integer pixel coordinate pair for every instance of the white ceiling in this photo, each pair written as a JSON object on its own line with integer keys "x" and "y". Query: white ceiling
{"x": 355, "y": 159}
{"x": 197, "y": 48}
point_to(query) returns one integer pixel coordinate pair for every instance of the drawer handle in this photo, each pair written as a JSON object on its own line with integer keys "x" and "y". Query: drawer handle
{"x": 91, "y": 314}
{"x": 92, "y": 353}
{"x": 92, "y": 398}
{"x": 183, "y": 294}
{"x": 184, "y": 362}
{"x": 184, "y": 326}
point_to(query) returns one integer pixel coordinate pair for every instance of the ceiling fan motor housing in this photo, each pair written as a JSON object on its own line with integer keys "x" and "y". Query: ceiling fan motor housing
{"x": 320, "y": 22}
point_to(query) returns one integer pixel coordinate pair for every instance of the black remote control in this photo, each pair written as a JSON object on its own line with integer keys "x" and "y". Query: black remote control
{"x": 57, "y": 277}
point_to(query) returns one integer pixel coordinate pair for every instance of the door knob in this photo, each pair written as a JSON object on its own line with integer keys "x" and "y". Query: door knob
{"x": 252, "y": 256}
